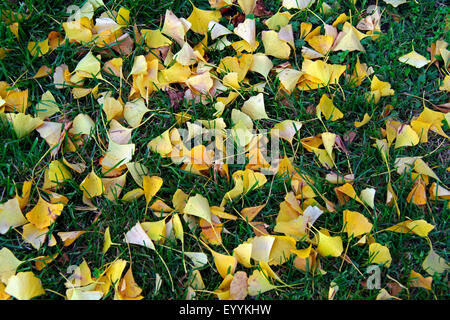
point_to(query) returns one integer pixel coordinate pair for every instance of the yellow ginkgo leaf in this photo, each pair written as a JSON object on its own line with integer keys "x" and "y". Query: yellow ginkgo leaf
{"x": 107, "y": 242}
{"x": 47, "y": 106}
{"x": 155, "y": 38}
{"x": 414, "y": 59}
{"x": 419, "y": 227}
{"x": 11, "y": 215}
{"x": 379, "y": 254}
{"x": 254, "y": 107}
{"x": 138, "y": 236}
{"x": 286, "y": 129}
{"x": 348, "y": 191}
{"x": 379, "y": 89}
{"x": 69, "y": 237}
{"x": 247, "y": 31}
{"x": 88, "y": 67}
{"x": 348, "y": 40}
{"x": 365, "y": 120}
{"x": 243, "y": 253}
{"x": 24, "y": 286}
{"x": 355, "y": 224}
{"x": 34, "y": 236}
{"x": 151, "y": 186}
{"x": 44, "y": 213}
{"x": 261, "y": 64}
{"x": 8, "y": 265}
{"x": 217, "y": 30}
{"x": 329, "y": 246}
{"x": 92, "y": 186}
{"x": 281, "y": 250}
{"x": 23, "y": 124}
{"x": 289, "y": 78}
{"x": 134, "y": 111}
{"x": 274, "y": 46}
{"x": 406, "y": 136}
{"x": 156, "y": 230}
{"x": 200, "y": 19}
{"x": 128, "y": 289}
{"x": 258, "y": 283}
{"x": 328, "y": 109}
{"x": 395, "y": 3}
{"x": 198, "y": 206}
{"x": 297, "y": 4}
{"x": 199, "y": 259}
{"x": 418, "y": 281}
{"x": 368, "y": 196}
{"x": 434, "y": 263}
{"x": 225, "y": 264}
{"x": 178, "y": 227}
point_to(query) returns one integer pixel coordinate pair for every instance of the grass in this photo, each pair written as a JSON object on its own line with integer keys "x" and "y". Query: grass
{"x": 412, "y": 24}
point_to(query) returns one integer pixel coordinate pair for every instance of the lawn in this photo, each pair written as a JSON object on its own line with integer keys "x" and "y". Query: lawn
{"x": 85, "y": 157}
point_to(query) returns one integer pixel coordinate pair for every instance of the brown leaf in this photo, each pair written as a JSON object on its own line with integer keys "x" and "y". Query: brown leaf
{"x": 175, "y": 97}
{"x": 261, "y": 10}
{"x": 124, "y": 45}
{"x": 238, "y": 286}
{"x": 341, "y": 145}
{"x": 349, "y": 137}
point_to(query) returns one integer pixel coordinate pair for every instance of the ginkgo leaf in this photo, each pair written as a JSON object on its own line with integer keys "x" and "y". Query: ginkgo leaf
{"x": 200, "y": 19}
{"x": 274, "y": 46}
{"x": 355, "y": 224}
{"x": 198, "y": 206}
{"x": 406, "y": 137}
{"x": 69, "y": 237}
{"x": 107, "y": 242}
{"x": 24, "y": 286}
{"x": 199, "y": 259}
{"x": 418, "y": 281}
{"x": 434, "y": 263}
{"x": 261, "y": 64}
{"x": 379, "y": 254}
{"x": 128, "y": 289}
{"x": 138, "y": 236}
{"x": 47, "y": 106}
{"x": 419, "y": 227}
{"x": 258, "y": 283}
{"x": 328, "y": 109}
{"x": 247, "y": 31}
{"x": 225, "y": 264}
{"x": 8, "y": 265}
{"x": 238, "y": 286}
{"x": 34, "y": 236}
{"x": 44, "y": 213}
{"x": 254, "y": 107}
{"x": 88, "y": 67}
{"x": 151, "y": 186}
{"x": 23, "y": 124}
{"x": 92, "y": 185}
{"x": 297, "y": 4}
{"x": 286, "y": 129}
{"x": 11, "y": 215}
{"x": 414, "y": 59}
{"x": 365, "y": 120}
{"x": 368, "y": 196}
{"x": 395, "y": 3}
{"x": 329, "y": 246}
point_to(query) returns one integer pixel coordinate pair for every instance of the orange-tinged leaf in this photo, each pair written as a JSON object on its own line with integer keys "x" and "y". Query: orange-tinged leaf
{"x": 44, "y": 213}
{"x": 419, "y": 281}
